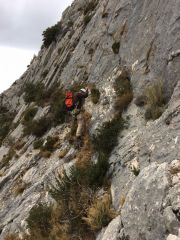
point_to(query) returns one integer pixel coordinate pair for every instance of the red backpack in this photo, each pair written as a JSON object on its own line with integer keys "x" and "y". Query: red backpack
{"x": 69, "y": 100}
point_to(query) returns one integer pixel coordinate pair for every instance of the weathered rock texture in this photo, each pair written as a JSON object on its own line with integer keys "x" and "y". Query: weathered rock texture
{"x": 148, "y": 36}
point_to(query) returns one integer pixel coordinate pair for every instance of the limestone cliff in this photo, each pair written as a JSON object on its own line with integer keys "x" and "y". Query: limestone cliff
{"x": 97, "y": 42}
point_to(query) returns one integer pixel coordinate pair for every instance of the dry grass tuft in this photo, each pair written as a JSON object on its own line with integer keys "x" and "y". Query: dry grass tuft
{"x": 10, "y": 237}
{"x": 155, "y": 101}
{"x": 155, "y": 94}
{"x": 63, "y": 152}
{"x": 122, "y": 200}
{"x": 16, "y": 237}
{"x": 100, "y": 213}
{"x": 45, "y": 154}
{"x": 19, "y": 187}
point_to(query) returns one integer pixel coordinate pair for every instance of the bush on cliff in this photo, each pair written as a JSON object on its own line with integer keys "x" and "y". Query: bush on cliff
{"x": 155, "y": 100}
{"x": 50, "y": 34}
{"x": 29, "y": 114}
{"x": 115, "y": 47}
{"x": 89, "y": 7}
{"x": 100, "y": 213}
{"x": 124, "y": 92}
{"x": 95, "y": 95}
{"x": 34, "y": 92}
{"x": 57, "y": 107}
{"x": 37, "y": 127}
{"x": 6, "y": 119}
{"x": 39, "y": 221}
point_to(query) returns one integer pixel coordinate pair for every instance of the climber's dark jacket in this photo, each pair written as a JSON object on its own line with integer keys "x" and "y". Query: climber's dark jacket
{"x": 79, "y": 99}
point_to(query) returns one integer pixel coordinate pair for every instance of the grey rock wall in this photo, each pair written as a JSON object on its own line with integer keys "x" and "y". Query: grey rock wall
{"x": 148, "y": 205}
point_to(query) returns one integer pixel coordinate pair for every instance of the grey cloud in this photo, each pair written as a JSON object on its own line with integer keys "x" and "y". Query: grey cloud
{"x": 23, "y": 21}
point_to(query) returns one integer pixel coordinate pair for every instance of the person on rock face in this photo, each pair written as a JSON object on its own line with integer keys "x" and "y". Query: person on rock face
{"x": 77, "y": 112}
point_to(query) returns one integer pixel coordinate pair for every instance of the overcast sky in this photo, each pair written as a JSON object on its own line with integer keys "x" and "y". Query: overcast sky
{"x": 21, "y": 25}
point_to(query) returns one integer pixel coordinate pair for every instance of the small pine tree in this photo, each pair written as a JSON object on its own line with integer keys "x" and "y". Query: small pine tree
{"x": 50, "y": 34}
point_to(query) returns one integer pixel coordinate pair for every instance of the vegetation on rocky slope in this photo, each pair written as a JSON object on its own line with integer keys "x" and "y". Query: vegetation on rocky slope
{"x": 153, "y": 99}
{"x": 6, "y": 119}
{"x": 95, "y": 45}
{"x": 80, "y": 211}
{"x": 50, "y": 34}
{"x": 124, "y": 92}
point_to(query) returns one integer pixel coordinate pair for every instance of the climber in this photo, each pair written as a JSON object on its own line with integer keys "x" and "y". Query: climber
{"x": 74, "y": 105}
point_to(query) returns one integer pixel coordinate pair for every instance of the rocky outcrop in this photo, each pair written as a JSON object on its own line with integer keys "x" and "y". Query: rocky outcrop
{"x": 141, "y": 37}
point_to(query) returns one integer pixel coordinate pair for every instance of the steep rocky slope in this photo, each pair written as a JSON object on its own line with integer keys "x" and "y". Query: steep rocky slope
{"x": 96, "y": 43}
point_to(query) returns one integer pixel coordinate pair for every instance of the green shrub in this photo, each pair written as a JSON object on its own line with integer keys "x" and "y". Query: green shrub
{"x": 36, "y": 92}
{"x": 37, "y": 127}
{"x": 124, "y": 93}
{"x": 87, "y": 19}
{"x": 50, "y": 34}
{"x": 70, "y": 23}
{"x": 88, "y": 11}
{"x": 91, "y": 51}
{"x": 3, "y": 109}
{"x": 41, "y": 126}
{"x": 115, "y": 47}
{"x": 136, "y": 171}
{"x": 30, "y": 92}
{"x": 74, "y": 199}
{"x": 104, "y": 142}
{"x": 95, "y": 95}
{"x": 33, "y": 92}
{"x": 6, "y": 119}
{"x": 74, "y": 193}
{"x": 29, "y": 114}
{"x": 4, "y": 130}
{"x": 98, "y": 171}
{"x": 57, "y": 107}
{"x": 28, "y": 126}
{"x": 44, "y": 73}
{"x": 107, "y": 137}
{"x": 141, "y": 100}
{"x": 38, "y": 143}
{"x": 39, "y": 221}
{"x": 53, "y": 96}
{"x": 89, "y": 8}
{"x": 6, "y": 158}
{"x": 105, "y": 15}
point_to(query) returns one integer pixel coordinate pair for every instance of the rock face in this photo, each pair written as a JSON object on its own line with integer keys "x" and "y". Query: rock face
{"x": 146, "y": 36}
{"x": 144, "y": 209}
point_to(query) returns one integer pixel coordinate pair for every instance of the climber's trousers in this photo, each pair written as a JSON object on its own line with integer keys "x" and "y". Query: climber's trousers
{"x": 80, "y": 125}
